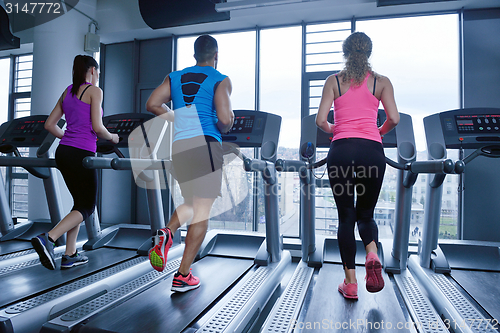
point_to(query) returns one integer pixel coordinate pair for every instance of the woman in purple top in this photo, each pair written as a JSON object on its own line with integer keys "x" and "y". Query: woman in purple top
{"x": 80, "y": 103}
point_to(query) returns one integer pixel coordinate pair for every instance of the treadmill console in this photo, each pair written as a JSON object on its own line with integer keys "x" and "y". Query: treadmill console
{"x": 323, "y": 139}
{"x": 469, "y": 128}
{"x": 123, "y": 124}
{"x": 25, "y": 132}
{"x": 253, "y": 128}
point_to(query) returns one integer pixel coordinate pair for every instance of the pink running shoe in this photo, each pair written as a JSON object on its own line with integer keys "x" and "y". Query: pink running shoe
{"x": 349, "y": 290}
{"x": 182, "y": 283}
{"x": 374, "y": 279}
{"x": 162, "y": 241}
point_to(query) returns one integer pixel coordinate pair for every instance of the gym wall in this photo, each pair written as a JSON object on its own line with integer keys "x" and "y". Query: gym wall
{"x": 481, "y": 213}
{"x": 130, "y": 72}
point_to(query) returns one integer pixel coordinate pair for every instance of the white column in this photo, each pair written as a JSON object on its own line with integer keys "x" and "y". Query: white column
{"x": 56, "y": 43}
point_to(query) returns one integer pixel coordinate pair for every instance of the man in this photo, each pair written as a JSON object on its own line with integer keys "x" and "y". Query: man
{"x": 201, "y": 100}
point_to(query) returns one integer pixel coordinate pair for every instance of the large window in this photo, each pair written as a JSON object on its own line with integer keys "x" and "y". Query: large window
{"x": 22, "y": 108}
{"x": 280, "y": 86}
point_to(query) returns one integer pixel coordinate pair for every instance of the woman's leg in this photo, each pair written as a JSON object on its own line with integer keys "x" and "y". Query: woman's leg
{"x": 340, "y": 174}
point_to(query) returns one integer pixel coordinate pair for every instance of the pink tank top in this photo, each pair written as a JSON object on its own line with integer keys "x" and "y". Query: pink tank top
{"x": 355, "y": 114}
{"x": 79, "y": 132}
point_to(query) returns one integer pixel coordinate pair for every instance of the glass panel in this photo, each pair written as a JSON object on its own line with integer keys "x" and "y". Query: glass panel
{"x": 407, "y": 50}
{"x": 326, "y": 58}
{"x": 4, "y": 89}
{"x": 232, "y": 46}
{"x": 328, "y": 26}
{"x": 280, "y": 91}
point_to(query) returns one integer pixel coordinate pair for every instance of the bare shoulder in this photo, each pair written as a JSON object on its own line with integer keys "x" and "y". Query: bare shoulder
{"x": 383, "y": 80}
{"x": 95, "y": 91}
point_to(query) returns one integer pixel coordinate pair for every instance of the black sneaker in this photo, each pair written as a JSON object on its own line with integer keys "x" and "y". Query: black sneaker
{"x": 45, "y": 249}
{"x": 74, "y": 260}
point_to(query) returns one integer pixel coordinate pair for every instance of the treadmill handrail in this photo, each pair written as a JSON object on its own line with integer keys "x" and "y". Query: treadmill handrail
{"x": 443, "y": 166}
{"x": 93, "y": 162}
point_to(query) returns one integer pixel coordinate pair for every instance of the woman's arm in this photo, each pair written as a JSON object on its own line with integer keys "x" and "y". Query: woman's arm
{"x": 389, "y": 103}
{"x": 156, "y": 103}
{"x": 54, "y": 117}
{"x": 325, "y": 105}
{"x": 96, "y": 116}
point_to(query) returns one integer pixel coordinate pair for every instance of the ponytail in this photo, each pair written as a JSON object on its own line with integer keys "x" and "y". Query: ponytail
{"x": 357, "y": 49}
{"x": 81, "y": 66}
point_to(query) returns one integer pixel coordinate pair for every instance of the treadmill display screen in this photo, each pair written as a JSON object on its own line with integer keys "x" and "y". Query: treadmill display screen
{"x": 243, "y": 124}
{"x": 123, "y": 126}
{"x": 478, "y": 123}
{"x": 29, "y": 127}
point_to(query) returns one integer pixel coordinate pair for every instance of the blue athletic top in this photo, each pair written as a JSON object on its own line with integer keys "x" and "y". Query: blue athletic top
{"x": 192, "y": 90}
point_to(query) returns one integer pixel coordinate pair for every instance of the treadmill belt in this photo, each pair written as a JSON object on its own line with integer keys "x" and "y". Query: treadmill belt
{"x": 330, "y": 311}
{"x": 484, "y": 287}
{"x": 22, "y": 283}
{"x": 160, "y": 310}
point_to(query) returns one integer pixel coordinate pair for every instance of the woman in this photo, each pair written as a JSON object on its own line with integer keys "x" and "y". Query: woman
{"x": 80, "y": 103}
{"x": 356, "y": 160}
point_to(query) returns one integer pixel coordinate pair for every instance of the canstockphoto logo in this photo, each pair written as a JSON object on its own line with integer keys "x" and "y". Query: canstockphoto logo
{"x": 26, "y": 14}
{"x": 152, "y": 142}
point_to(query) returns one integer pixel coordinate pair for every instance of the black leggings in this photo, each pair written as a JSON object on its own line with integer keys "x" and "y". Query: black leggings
{"x": 355, "y": 165}
{"x": 81, "y": 182}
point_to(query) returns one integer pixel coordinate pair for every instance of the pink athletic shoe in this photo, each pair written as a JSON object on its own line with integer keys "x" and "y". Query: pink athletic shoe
{"x": 374, "y": 279}
{"x": 349, "y": 290}
{"x": 158, "y": 253}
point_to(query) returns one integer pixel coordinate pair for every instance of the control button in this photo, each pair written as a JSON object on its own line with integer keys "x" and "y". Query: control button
{"x": 248, "y": 138}
{"x": 488, "y": 128}
{"x": 480, "y": 128}
{"x": 494, "y": 120}
{"x": 478, "y": 121}
{"x": 486, "y": 121}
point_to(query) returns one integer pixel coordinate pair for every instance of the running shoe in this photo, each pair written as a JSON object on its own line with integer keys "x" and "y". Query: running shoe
{"x": 45, "y": 249}
{"x": 374, "y": 279}
{"x": 349, "y": 290}
{"x": 74, "y": 260}
{"x": 182, "y": 283}
{"x": 162, "y": 241}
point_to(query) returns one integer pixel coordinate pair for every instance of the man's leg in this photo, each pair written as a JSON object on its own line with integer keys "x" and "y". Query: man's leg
{"x": 196, "y": 232}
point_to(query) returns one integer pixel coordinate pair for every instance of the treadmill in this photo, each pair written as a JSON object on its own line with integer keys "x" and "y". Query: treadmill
{"x": 32, "y": 294}
{"x": 462, "y": 275}
{"x": 27, "y": 132}
{"x": 238, "y": 271}
{"x": 311, "y": 301}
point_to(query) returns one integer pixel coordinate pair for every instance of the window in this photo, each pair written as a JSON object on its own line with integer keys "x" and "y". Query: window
{"x": 324, "y": 46}
{"x": 279, "y": 90}
{"x": 4, "y": 98}
{"x": 22, "y": 108}
{"x": 4, "y": 89}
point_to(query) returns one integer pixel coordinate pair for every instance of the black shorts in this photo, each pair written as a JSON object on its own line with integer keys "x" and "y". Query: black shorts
{"x": 198, "y": 166}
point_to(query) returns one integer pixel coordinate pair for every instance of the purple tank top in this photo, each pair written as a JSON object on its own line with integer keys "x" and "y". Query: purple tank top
{"x": 79, "y": 132}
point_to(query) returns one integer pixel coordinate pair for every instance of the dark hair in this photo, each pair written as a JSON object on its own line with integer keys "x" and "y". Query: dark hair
{"x": 357, "y": 49}
{"x": 205, "y": 48}
{"x": 81, "y": 66}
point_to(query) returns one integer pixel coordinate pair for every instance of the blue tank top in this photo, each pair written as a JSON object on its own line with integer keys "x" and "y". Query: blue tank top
{"x": 192, "y": 90}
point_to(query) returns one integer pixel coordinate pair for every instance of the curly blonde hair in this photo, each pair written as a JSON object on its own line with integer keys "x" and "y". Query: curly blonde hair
{"x": 357, "y": 49}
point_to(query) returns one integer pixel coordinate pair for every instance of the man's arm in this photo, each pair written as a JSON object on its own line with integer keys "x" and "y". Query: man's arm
{"x": 223, "y": 106}
{"x": 156, "y": 102}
